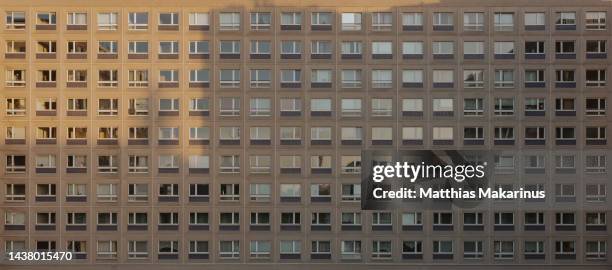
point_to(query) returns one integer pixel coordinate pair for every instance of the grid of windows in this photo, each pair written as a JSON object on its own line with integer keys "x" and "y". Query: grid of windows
{"x": 273, "y": 119}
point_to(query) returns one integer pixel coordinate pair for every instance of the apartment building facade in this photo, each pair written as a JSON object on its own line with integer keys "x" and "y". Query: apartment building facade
{"x": 190, "y": 133}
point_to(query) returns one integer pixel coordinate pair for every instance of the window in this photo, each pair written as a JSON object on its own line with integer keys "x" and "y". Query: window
{"x": 382, "y": 21}
{"x": 45, "y": 161}
{"x": 260, "y": 47}
{"x": 321, "y": 76}
{"x": 168, "y": 47}
{"x": 412, "y": 19}
{"x": 382, "y": 78}
{"x": 76, "y": 190}
{"x": 199, "y": 47}
{"x": 473, "y": 21}
{"x": 138, "y": 21}
{"x": 108, "y": 21}
{"x": 108, "y": 78}
{"x": 290, "y": 246}
{"x": 138, "y": 47}
{"x": 534, "y": 47}
{"x": 15, "y": 133}
{"x": 107, "y": 218}
{"x": 229, "y": 78}
{"x": 15, "y": 78}
{"x": 229, "y": 21}
{"x": 321, "y": 47}
{"x": 504, "y": 47}
{"x": 565, "y": 191}
{"x": 107, "y": 47}
{"x": 565, "y": 47}
{"x": 534, "y": 76}
{"x": 443, "y": 47}
{"x": 595, "y": 106}
{"x": 443, "y": 133}
{"x": 168, "y": 218}
{"x": 15, "y": 20}
{"x": 565, "y": 247}
{"x": 321, "y": 18}
{"x": 139, "y": 192}
{"x": 198, "y": 190}
{"x": 168, "y": 190}
{"x": 596, "y": 47}
{"x": 504, "y": 133}
{"x": 504, "y": 106}
{"x": 138, "y": 78}
{"x": 595, "y": 77}
{"x": 504, "y": 78}
{"x": 443, "y": 19}
{"x": 168, "y": 75}
{"x": 291, "y": 47}
{"x": 106, "y": 249}
{"x": 137, "y": 249}
{"x": 199, "y": 218}
{"x": 15, "y": 192}
{"x": 351, "y": 47}
{"x": 260, "y": 107}
{"x": 77, "y": 18}
{"x": 595, "y": 133}
{"x": 595, "y": 193}
{"x": 229, "y": 133}
{"x": 381, "y": 249}
{"x": 138, "y": 164}
{"x": 412, "y": 48}
{"x": 106, "y": 192}
{"x": 351, "y": 21}
{"x": 229, "y": 164}
{"x": 14, "y": 218}
{"x": 412, "y": 133}
{"x": 443, "y": 77}
{"x": 472, "y": 249}
{"x": 260, "y": 248}
{"x": 15, "y": 106}
{"x": 229, "y": 47}
{"x": 166, "y": 104}
{"x": 564, "y": 76}
{"x": 595, "y": 163}
{"x": 108, "y": 107}
{"x": 565, "y": 133}
{"x": 320, "y": 190}
{"x": 46, "y": 47}
{"x": 15, "y": 46}
{"x": 199, "y": 19}
{"x": 535, "y": 19}
{"x": 352, "y": 192}
{"x": 595, "y": 20}
{"x": 46, "y": 104}
{"x": 46, "y": 18}
{"x": 503, "y": 249}
{"x": 77, "y": 47}
{"x": 473, "y": 48}
{"x": 229, "y": 192}
{"x": 229, "y": 249}
{"x": 351, "y": 78}
{"x": 107, "y": 164}
{"x": 566, "y": 19}
{"x": 350, "y": 249}
{"x": 260, "y": 192}
{"x": 412, "y": 219}
{"x": 169, "y": 18}
{"x": 473, "y": 78}
{"x": 504, "y": 21}
{"x": 442, "y": 104}
{"x": 596, "y": 249}
{"x": 291, "y": 19}
{"x": 443, "y": 247}
{"x": 77, "y": 161}
{"x": 290, "y": 105}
